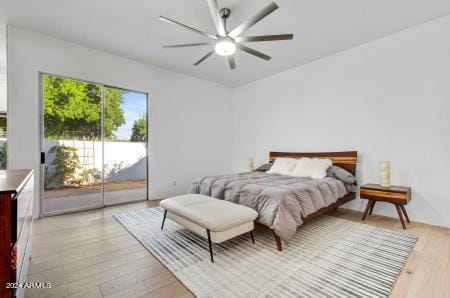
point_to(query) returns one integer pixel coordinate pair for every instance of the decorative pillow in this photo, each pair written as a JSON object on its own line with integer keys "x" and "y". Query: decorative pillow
{"x": 283, "y": 166}
{"x": 319, "y": 167}
{"x": 264, "y": 168}
{"x": 315, "y": 168}
{"x": 341, "y": 174}
{"x": 303, "y": 168}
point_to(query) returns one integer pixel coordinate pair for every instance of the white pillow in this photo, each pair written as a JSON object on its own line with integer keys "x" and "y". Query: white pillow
{"x": 319, "y": 168}
{"x": 315, "y": 168}
{"x": 283, "y": 166}
{"x": 303, "y": 168}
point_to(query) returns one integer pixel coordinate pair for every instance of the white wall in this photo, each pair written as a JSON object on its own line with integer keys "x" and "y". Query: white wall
{"x": 388, "y": 99}
{"x": 3, "y": 68}
{"x": 190, "y": 133}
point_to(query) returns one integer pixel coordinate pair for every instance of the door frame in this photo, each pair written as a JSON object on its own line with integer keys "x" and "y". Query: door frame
{"x": 41, "y": 74}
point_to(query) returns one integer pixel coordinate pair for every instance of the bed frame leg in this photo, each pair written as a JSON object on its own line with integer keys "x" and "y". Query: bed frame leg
{"x": 253, "y": 238}
{"x": 278, "y": 240}
{"x": 164, "y": 219}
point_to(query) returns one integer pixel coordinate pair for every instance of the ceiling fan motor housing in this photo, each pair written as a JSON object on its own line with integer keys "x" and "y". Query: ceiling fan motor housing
{"x": 225, "y": 13}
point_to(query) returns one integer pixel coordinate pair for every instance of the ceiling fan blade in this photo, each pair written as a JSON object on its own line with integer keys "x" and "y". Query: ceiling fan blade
{"x": 265, "y": 38}
{"x": 204, "y": 58}
{"x": 255, "y": 19}
{"x": 188, "y": 45}
{"x": 187, "y": 27}
{"x": 214, "y": 8}
{"x": 253, "y": 52}
{"x": 232, "y": 62}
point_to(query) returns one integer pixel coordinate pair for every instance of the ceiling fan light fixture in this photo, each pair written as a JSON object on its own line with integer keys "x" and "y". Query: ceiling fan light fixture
{"x": 227, "y": 42}
{"x": 225, "y": 47}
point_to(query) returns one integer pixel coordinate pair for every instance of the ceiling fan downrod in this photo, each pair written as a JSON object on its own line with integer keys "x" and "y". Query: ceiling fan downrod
{"x": 225, "y": 14}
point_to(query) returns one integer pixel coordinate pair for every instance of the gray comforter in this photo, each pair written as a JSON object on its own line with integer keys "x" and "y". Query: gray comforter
{"x": 280, "y": 200}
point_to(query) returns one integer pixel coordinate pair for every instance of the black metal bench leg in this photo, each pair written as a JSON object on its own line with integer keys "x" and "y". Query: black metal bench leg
{"x": 253, "y": 238}
{"x": 164, "y": 219}
{"x": 210, "y": 245}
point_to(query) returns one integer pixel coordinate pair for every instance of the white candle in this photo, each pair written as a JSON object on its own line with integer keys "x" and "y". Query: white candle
{"x": 250, "y": 165}
{"x": 385, "y": 174}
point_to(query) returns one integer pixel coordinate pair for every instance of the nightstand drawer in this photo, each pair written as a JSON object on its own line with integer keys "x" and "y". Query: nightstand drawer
{"x": 382, "y": 195}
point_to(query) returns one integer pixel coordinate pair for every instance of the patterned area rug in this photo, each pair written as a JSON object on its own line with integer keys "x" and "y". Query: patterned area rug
{"x": 328, "y": 257}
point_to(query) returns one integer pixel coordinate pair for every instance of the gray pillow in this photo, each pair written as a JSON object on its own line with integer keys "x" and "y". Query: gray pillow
{"x": 341, "y": 174}
{"x": 264, "y": 168}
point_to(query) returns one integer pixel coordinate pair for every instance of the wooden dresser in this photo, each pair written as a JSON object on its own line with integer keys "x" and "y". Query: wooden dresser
{"x": 16, "y": 218}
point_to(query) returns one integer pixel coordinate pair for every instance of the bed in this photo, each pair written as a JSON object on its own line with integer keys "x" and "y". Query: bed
{"x": 283, "y": 202}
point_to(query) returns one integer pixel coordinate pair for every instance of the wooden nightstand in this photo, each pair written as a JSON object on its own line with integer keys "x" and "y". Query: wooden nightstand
{"x": 397, "y": 195}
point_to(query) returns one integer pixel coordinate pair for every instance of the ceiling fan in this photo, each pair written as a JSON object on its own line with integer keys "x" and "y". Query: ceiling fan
{"x": 225, "y": 42}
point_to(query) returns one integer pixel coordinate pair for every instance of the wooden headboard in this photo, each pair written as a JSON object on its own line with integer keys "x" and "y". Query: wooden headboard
{"x": 346, "y": 160}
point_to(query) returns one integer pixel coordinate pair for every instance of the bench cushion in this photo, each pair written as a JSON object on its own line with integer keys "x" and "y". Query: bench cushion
{"x": 213, "y": 214}
{"x": 216, "y": 237}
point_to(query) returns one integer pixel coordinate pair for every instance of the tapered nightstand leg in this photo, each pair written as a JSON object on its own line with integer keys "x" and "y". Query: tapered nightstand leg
{"x": 371, "y": 207}
{"x": 369, "y": 204}
{"x": 404, "y": 212}
{"x": 399, "y": 211}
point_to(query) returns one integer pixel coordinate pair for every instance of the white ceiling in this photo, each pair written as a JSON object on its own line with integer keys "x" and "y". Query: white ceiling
{"x": 131, "y": 29}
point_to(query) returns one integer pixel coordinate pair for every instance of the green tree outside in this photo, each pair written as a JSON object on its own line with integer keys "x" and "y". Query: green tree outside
{"x": 3, "y": 156}
{"x": 3, "y": 147}
{"x": 3, "y": 123}
{"x": 66, "y": 163}
{"x": 74, "y": 106}
{"x": 139, "y": 130}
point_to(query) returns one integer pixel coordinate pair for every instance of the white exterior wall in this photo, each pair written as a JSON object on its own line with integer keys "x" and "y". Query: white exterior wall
{"x": 90, "y": 153}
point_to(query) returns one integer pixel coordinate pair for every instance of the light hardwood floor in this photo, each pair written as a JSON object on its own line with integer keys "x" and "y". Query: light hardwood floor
{"x": 89, "y": 254}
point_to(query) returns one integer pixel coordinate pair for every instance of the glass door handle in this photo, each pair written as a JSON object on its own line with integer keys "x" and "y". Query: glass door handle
{"x": 43, "y": 158}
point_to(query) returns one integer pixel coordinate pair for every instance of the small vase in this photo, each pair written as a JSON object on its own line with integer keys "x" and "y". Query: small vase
{"x": 250, "y": 165}
{"x": 385, "y": 174}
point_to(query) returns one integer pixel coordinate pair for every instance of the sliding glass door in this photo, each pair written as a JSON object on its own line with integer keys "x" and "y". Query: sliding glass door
{"x": 125, "y": 146}
{"x": 94, "y": 145}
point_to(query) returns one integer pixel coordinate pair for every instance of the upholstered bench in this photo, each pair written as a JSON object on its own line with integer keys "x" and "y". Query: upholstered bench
{"x": 214, "y": 219}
